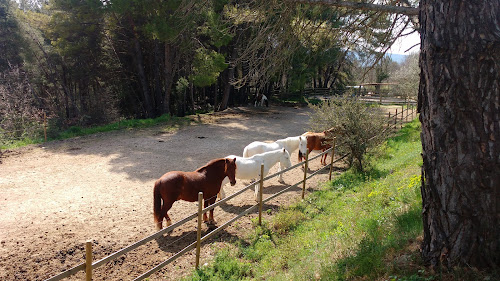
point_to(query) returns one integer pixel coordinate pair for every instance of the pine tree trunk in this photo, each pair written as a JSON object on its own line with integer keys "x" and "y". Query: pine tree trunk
{"x": 139, "y": 63}
{"x": 168, "y": 77}
{"x": 157, "y": 78}
{"x": 459, "y": 103}
{"x": 228, "y": 77}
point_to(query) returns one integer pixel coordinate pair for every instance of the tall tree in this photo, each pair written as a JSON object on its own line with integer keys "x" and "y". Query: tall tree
{"x": 459, "y": 105}
{"x": 11, "y": 41}
{"x": 75, "y": 32}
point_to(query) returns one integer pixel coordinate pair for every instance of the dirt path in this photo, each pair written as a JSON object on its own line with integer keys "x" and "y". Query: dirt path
{"x": 56, "y": 196}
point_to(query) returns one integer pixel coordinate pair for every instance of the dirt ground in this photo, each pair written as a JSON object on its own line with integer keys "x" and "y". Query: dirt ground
{"x": 57, "y": 195}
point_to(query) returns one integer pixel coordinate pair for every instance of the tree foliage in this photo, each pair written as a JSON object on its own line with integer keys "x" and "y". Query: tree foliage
{"x": 12, "y": 44}
{"x": 95, "y": 61}
{"x": 407, "y": 77}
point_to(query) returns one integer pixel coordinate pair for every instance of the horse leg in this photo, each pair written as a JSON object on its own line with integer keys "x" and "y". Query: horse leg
{"x": 205, "y": 217}
{"x": 280, "y": 179}
{"x": 169, "y": 221}
{"x": 159, "y": 218}
{"x": 222, "y": 194}
{"x": 166, "y": 207}
{"x": 326, "y": 155}
{"x": 211, "y": 218}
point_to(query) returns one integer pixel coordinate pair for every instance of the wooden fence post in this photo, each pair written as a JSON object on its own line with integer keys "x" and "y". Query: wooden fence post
{"x": 407, "y": 111}
{"x": 402, "y": 115}
{"x": 45, "y": 125}
{"x": 261, "y": 184}
{"x": 305, "y": 174}
{"x": 88, "y": 260}
{"x": 331, "y": 162}
{"x": 396, "y": 120}
{"x": 198, "y": 234}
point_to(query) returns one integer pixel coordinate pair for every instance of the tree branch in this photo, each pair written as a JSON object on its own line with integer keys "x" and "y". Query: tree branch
{"x": 409, "y": 11}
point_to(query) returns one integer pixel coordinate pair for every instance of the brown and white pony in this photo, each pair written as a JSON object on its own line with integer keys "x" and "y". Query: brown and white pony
{"x": 178, "y": 185}
{"x": 319, "y": 141}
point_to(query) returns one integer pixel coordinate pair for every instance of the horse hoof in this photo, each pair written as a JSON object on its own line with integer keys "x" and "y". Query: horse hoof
{"x": 210, "y": 224}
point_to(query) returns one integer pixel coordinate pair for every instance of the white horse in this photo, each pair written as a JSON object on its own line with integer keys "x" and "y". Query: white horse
{"x": 290, "y": 144}
{"x": 249, "y": 168}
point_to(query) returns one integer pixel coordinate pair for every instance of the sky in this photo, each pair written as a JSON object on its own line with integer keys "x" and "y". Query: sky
{"x": 404, "y": 43}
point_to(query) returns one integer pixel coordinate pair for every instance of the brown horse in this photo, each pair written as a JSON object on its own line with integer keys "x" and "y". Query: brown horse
{"x": 319, "y": 141}
{"x": 177, "y": 185}
{"x": 316, "y": 141}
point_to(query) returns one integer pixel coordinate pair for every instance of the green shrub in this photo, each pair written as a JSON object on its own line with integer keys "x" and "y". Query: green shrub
{"x": 357, "y": 126}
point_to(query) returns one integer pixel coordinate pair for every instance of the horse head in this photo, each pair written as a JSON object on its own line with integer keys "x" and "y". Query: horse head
{"x": 285, "y": 159}
{"x": 302, "y": 145}
{"x": 231, "y": 170}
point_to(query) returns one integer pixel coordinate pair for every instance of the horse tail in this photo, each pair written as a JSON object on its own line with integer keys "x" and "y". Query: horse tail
{"x": 158, "y": 216}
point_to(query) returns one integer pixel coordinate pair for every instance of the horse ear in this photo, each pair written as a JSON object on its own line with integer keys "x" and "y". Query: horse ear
{"x": 234, "y": 160}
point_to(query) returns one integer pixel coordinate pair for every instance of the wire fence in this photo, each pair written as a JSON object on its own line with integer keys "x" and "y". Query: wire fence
{"x": 394, "y": 121}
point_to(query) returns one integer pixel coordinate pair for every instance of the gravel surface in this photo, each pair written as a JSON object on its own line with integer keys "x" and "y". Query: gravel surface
{"x": 57, "y": 195}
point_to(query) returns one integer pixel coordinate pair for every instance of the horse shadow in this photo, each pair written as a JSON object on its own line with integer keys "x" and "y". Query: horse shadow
{"x": 174, "y": 244}
{"x": 228, "y": 208}
{"x": 324, "y": 171}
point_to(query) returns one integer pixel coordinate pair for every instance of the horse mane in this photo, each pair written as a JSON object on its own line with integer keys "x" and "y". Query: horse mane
{"x": 212, "y": 162}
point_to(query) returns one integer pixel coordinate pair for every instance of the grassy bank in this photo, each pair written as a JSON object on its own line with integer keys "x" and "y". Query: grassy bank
{"x": 168, "y": 122}
{"x": 358, "y": 226}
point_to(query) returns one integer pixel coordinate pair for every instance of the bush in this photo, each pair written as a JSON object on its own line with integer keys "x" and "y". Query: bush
{"x": 359, "y": 127}
{"x": 20, "y": 118}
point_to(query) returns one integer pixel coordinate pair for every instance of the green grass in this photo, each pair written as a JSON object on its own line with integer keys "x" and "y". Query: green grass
{"x": 172, "y": 122}
{"x": 296, "y": 100}
{"x": 344, "y": 231}
{"x": 169, "y": 123}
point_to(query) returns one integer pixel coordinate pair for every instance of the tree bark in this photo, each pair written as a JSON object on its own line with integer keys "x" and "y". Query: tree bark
{"x": 139, "y": 63}
{"x": 191, "y": 97}
{"x": 459, "y": 105}
{"x": 171, "y": 63}
{"x": 157, "y": 69}
{"x": 229, "y": 75}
